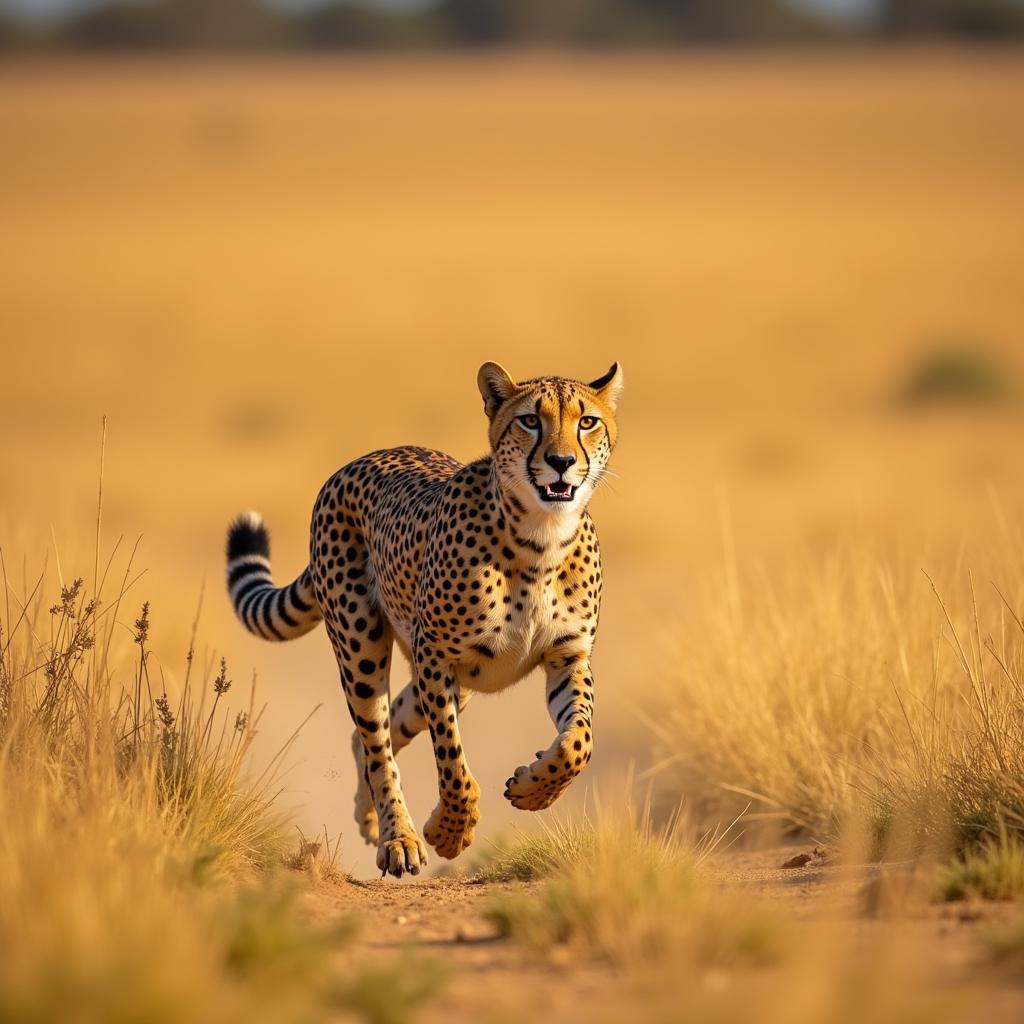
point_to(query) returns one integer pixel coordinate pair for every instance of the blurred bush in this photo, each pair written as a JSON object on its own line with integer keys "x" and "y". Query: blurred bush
{"x": 955, "y": 374}
{"x": 972, "y": 18}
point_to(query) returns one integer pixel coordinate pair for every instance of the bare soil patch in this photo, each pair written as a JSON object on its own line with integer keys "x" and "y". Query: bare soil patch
{"x": 490, "y": 978}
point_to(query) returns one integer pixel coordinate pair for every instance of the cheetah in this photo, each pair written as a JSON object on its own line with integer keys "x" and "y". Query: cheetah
{"x": 480, "y": 573}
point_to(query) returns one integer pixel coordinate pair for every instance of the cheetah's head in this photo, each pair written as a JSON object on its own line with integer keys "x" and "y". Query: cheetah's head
{"x": 551, "y": 437}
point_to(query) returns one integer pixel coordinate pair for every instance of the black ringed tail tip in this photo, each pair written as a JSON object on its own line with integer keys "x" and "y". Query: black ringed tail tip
{"x": 248, "y": 535}
{"x": 274, "y": 613}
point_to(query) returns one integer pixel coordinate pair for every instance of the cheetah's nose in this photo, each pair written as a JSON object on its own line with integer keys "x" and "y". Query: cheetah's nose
{"x": 560, "y": 463}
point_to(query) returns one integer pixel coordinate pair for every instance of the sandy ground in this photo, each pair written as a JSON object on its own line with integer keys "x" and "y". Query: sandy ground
{"x": 491, "y": 979}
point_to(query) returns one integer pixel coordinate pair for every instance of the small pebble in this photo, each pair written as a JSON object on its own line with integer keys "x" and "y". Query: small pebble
{"x": 801, "y": 860}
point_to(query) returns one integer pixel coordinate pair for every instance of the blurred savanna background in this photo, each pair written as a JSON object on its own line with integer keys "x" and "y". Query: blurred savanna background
{"x": 261, "y": 240}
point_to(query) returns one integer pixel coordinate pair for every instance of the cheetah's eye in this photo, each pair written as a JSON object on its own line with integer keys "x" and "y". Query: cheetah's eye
{"x": 530, "y": 421}
{"x": 588, "y": 422}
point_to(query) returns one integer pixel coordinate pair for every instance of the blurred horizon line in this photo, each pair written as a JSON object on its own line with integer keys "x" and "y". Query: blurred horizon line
{"x": 36, "y": 26}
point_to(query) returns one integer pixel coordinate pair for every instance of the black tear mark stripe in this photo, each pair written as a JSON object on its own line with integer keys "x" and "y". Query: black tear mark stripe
{"x": 582, "y": 446}
{"x": 533, "y": 450}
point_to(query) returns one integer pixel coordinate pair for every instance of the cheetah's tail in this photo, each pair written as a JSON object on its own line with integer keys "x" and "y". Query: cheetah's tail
{"x": 274, "y": 613}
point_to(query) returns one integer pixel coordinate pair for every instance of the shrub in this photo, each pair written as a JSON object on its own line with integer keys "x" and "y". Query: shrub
{"x": 955, "y": 375}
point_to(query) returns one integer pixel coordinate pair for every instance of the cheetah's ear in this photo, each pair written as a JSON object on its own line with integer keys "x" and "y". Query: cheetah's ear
{"x": 495, "y": 385}
{"x": 609, "y": 386}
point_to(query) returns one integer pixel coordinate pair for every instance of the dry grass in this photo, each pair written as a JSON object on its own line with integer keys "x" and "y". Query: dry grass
{"x": 679, "y": 946}
{"x": 853, "y": 688}
{"x": 963, "y": 767}
{"x": 139, "y": 860}
{"x": 992, "y": 871}
{"x": 319, "y": 858}
{"x": 526, "y": 857}
{"x": 626, "y": 892}
{"x": 181, "y": 759}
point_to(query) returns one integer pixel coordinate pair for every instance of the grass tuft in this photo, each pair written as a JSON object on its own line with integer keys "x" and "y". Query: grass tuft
{"x": 637, "y": 897}
{"x": 993, "y": 871}
{"x": 527, "y": 857}
{"x": 318, "y": 858}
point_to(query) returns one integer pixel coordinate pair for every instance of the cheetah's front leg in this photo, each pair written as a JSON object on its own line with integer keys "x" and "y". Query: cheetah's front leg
{"x": 570, "y": 695}
{"x": 407, "y": 721}
{"x": 449, "y": 830}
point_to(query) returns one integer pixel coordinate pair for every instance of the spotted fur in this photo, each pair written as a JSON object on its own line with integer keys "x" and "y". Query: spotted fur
{"x": 479, "y": 572}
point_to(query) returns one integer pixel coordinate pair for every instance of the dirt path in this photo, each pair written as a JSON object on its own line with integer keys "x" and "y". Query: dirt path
{"x": 486, "y": 977}
{"x": 491, "y": 979}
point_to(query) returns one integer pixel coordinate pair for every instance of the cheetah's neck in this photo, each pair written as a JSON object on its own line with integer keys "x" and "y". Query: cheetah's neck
{"x": 541, "y": 535}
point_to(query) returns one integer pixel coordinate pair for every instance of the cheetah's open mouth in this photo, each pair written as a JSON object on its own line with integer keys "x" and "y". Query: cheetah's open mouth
{"x": 560, "y": 490}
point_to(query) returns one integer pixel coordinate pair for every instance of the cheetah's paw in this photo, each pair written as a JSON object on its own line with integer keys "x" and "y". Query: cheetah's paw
{"x": 449, "y": 830}
{"x": 401, "y": 853}
{"x": 537, "y": 786}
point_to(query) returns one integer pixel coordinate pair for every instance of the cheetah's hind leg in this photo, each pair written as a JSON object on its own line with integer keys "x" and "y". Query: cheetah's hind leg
{"x": 365, "y": 812}
{"x": 406, "y": 722}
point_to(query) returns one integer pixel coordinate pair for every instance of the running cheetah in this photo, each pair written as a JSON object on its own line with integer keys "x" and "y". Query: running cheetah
{"x": 479, "y": 572}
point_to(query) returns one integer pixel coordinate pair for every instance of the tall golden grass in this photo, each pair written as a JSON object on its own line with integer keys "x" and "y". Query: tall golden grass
{"x": 854, "y": 686}
{"x": 629, "y": 893}
{"x": 141, "y": 857}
